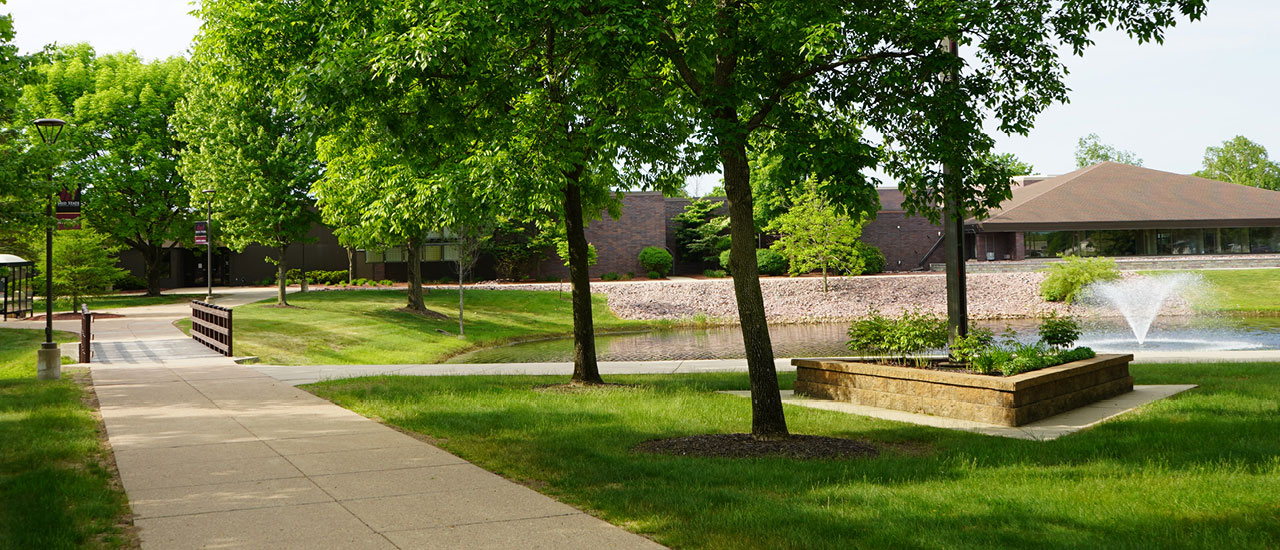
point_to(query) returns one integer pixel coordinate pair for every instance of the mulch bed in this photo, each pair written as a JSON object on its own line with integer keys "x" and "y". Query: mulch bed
{"x": 804, "y": 447}
{"x": 75, "y": 316}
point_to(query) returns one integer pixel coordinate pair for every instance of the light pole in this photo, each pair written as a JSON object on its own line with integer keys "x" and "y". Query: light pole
{"x": 49, "y": 357}
{"x": 208, "y": 230}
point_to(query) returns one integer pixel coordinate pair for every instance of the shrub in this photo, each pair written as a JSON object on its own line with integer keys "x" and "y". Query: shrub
{"x": 978, "y": 339}
{"x": 906, "y": 338}
{"x": 131, "y": 282}
{"x": 1059, "y": 332}
{"x": 770, "y": 262}
{"x": 269, "y": 281}
{"x": 654, "y": 275}
{"x": 335, "y": 277}
{"x": 656, "y": 259}
{"x": 872, "y": 258}
{"x": 385, "y": 282}
{"x": 627, "y": 276}
{"x": 715, "y": 273}
{"x": 1078, "y": 354}
{"x": 1067, "y": 278}
{"x": 610, "y": 276}
{"x": 359, "y": 281}
{"x": 1026, "y": 357}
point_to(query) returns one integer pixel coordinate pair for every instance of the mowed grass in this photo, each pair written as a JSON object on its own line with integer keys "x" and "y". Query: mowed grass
{"x": 365, "y": 326}
{"x": 1245, "y": 290}
{"x": 54, "y": 493}
{"x": 1199, "y": 470}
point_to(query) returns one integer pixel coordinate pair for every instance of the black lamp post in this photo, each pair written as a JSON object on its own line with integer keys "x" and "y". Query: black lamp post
{"x": 49, "y": 358}
{"x": 208, "y": 231}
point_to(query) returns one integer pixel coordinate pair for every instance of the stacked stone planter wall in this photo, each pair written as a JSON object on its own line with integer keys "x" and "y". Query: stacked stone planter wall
{"x": 1006, "y": 401}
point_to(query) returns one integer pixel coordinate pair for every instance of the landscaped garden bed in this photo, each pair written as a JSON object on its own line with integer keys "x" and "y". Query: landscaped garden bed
{"x": 1003, "y": 400}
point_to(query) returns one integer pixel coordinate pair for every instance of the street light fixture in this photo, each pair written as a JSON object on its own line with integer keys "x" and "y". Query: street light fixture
{"x": 208, "y": 228}
{"x": 49, "y": 357}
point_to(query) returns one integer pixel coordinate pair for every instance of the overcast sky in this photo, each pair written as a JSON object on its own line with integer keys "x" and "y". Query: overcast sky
{"x": 1209, "y": 81}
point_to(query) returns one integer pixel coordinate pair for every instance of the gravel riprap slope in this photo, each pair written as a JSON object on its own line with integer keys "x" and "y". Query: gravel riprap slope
{"x": 797, "y": 300}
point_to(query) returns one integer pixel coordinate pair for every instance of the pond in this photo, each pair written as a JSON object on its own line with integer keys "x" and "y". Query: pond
{"x": 1107, "y": 335}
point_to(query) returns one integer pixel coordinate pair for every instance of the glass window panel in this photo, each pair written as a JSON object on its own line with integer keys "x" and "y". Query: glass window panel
{"x": 1260, "y": 240}
{"x": 1235, "y": 240}
{"x": 1210, "y": 239}
{"x": 1060, "y": 242}
{"x": 1187, "y": 241}
{"x": 1116, "y": 243}
{"x": 1034, "y": 244}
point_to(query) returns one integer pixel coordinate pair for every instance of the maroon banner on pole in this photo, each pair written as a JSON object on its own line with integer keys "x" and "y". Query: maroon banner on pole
{"x": 202, "y": 233}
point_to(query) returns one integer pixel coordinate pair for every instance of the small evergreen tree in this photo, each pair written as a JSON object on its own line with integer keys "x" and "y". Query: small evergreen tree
{"x": 701, "y": 236}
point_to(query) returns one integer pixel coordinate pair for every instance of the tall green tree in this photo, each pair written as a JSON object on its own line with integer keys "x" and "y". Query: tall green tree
{"x": 122, "y": 147}
{"x": 1240, "y": 160}
{"x": 24, "y": 162}
{"x": 814, "y": 235}
{"x": 1013, "y": 164}
{"x": 802, "y": 79}
{"x": 1090, "y": 150}
{"x": 247, "y": 145}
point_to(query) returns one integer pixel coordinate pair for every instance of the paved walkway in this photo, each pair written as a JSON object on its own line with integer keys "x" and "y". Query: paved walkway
{"x": 217, "y": 455}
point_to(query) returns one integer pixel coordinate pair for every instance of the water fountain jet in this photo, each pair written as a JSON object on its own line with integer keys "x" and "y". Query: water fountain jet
{"x": 1140, "y": 299}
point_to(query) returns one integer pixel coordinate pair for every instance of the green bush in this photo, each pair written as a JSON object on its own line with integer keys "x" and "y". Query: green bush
{"x": 321, "y": 277}
{"x": 610, "y": 276}
{"x": 386, "y": 282}
{"x": 654, "y": 275}
{"x": 724, "y": 261}
{"x": 978, "y": 339}
{"x": 1059, "y": 332}
{"x": 131, "y": 282}
{"x": 1078, "y": 354}
{"x": 359, "y": 281}
{"x": 1067, "y": 278}
{"x": 656, "y": 259}
{"x": 626, "y": 276}
{"x": 906, "y": 338}
{"x": 872, "y": 258}
{"x": 770, "y": 262}
{"x": 715, "y": 273}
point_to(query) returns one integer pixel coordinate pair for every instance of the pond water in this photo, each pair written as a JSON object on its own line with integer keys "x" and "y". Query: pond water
{"x": 1107, "y": 335}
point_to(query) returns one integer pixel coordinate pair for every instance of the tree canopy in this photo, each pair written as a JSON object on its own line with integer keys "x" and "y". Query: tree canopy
{"x": 1240, "y": 160}
{"x": 1090, "y": 151}
{"x": 805, "y": 78}
{"x": 249, "y": 147}
{"x": 121, "y": 147}
{"x": 813, "y": 235}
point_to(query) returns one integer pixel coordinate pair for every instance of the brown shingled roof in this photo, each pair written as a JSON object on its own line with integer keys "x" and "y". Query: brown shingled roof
{"x": 1119, "y": 196}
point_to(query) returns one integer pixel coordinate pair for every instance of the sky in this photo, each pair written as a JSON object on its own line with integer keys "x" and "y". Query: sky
{"x": 1210, "y": 81}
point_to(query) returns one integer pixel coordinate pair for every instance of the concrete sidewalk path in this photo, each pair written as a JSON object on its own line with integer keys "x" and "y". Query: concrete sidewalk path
{"x": 216, "y": 455}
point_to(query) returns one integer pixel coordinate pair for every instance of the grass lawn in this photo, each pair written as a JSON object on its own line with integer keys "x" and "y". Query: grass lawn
{"x": 113, "y": 302}
{"x": 54, "y": 492}
{"x": 1199, "y": 470}
{"x": 1249, "y": 291}
{"x": 363, "y": 326}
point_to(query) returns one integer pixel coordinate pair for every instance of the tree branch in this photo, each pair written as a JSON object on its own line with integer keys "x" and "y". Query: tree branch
{"x": 785, "y": 82}
{"x": 676, "y": 55}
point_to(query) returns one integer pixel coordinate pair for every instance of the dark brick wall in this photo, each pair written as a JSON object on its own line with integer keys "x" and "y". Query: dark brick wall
{"x": 903, "y": 239}
{"x": 618, "y": 242}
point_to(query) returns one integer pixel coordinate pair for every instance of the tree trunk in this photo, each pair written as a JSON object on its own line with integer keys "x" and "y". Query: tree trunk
{"x": 585, "y": 368}
{"x": 151, "y": 255}
{"x": 767, "y": 420}
{"x": 351, "y": 264}
{"x": 281, "y": 277}
{"x": 302, "y": 268}
{"x": 415, "y": 276}
{"x": 461, "y": 331}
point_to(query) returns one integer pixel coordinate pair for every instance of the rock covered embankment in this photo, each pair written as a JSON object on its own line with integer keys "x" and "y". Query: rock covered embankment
{"x": 799, "y": 300}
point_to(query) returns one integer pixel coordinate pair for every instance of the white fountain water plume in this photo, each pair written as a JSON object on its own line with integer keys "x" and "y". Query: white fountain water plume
{"x": 1140, "y": 299}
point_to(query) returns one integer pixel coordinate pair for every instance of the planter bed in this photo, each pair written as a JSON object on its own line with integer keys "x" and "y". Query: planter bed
{"x": 1006, "y": 401}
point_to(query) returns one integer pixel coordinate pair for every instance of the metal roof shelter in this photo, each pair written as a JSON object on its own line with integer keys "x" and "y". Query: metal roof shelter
{"x": 16, "y": 279}
{"x": 1119, "y": 196}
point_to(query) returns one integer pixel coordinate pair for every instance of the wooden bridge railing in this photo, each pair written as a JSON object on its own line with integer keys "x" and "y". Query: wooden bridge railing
{"x": 211, "y": 326}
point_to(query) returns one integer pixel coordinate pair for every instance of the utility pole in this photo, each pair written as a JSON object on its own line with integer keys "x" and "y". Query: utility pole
{"x": 953, "y": 232}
